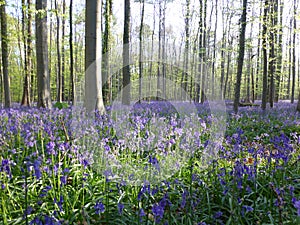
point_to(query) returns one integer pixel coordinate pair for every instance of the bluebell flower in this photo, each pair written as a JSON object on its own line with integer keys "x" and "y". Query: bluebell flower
{"x": 63, "y": 180}
{"x": 142, "y": 212}
{"x": 60, "y": 203}
{"x": 218, "y": 214}
{"x": 247, "y": 208}
{"x": 37, "y": 171}
{"x": 45, "y": 191}
{"x": 28, "y": 211}
{"x": 50, "y": 147}
{"x": 99, "y": 207}
{"x": 183, "y": 199}
{"x": 5, "y": 167}
{"x": 120, "y": 208}
{"x": 297, "y": 206}
{"x": 158, "y": 212}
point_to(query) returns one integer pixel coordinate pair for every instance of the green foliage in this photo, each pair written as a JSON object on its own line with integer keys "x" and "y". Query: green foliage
{"x": 61, "y": 105}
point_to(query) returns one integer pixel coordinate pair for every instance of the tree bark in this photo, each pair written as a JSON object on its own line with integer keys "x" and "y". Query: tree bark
{"x": 186, "y": 46}
{"x": 4, "y": 47}
{"x": 213, "y": 68}
{"x": 26, "y": 88}
{"x": 63, "y": 52}
{"x": 141, "y": 49}
{"x": 43, "y": 77}
{"x": 93, "y": 79}
{"x": 265, "y": 57}
{"x": 272, "y": 58}
{"x": 203, "y": 89}
{"x": 106, "y": 81}
{"x": 126, "y": 67}
{"x": 279, "y": 53}
{"x": 58, "y": 40}
{"x": 294, "y": 54}
{"x": 72, "y": 77}
{"x": 240, "y": 57}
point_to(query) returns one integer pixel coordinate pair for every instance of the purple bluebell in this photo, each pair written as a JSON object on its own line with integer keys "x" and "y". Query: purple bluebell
{"x": 158, "y": 212}
{"x": 120, "y": 208}
{"x": 99, "y": 207}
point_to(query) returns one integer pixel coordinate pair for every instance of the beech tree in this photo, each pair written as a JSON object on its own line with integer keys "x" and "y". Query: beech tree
{"x": 126, "y": 67}
{"x": 240, "y": 57}
{"x": 93, "y": 79}
{"x": 43, "y": 76}
{"x": 4, "y": 47}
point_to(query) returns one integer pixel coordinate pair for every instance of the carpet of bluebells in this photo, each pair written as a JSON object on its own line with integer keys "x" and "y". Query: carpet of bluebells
{"x": 49, "y": 175}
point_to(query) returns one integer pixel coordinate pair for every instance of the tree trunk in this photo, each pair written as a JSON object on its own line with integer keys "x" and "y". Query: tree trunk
{"x": 126, "y": 67}
{"x": 294, "y": 54}
{"x": 290, "y": 60}
{"x": 29, "y": 51}
{"x": 44, "y": 97}
{"x": 164, "y": 48}
{"x": 214, "y": 53}
{"x": 203, "y": 89}
{"x": 93, "y": 79}
{"x": 152, "y": 47}
{"x": 26, "y": 89}
{"x": 63, "y": 54}
{"x": 4, "y": 47}
{"x": 279, "y": 54}
{"x": 105, "y": 51}
{"x": 141, "y": 50}
{"x": 258, "y": 57}
{"x": 265, "y": 57}
{"x": 58, "y": 40}
{"x": 272, "y": 59}
{"x": 158, "y": 94}
{"x": 72, "y": 77}
{"x": 228, "y": 66}
{"x": 240, "y": 57}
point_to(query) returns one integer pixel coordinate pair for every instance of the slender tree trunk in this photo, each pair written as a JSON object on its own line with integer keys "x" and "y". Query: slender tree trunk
{"x": 214, "y": 53}
{"x": 29, "y": 51}
{"x": 186, "y": 47}
{"x": 222, "y": 65}
{"x": 126, "y": 67}
{"x": 158, "y": 94}
{"x": 4, "y": 47}
{"x": 203, "y": 89}
{"x": 72, "y": 77}
{"x": 228, "y": 66}
{"x": 248, "y": 74}
{"x": 105, "y": 51}
{"x": 294, "y": 54}
{"x": 258, "y": 56}
{"x": 272, "y": 59}
{"x": 290, "y": 61}
{"x": 141, "y": 50}
{"x": 164, "y": 48}
{"x": 26, "y": 91}
{"x": 63, "y": 52}
{"x": 44, "y": 97}
{"x": 279, "y": 53}
{"x": 58, "y": 40}
{"x": 265, "y": 57}
{"x": 240, "y": 57}
{"x": 152, "y": 47}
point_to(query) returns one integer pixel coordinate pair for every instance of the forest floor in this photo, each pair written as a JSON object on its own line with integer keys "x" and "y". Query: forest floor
{"x": 156, "y": 163}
